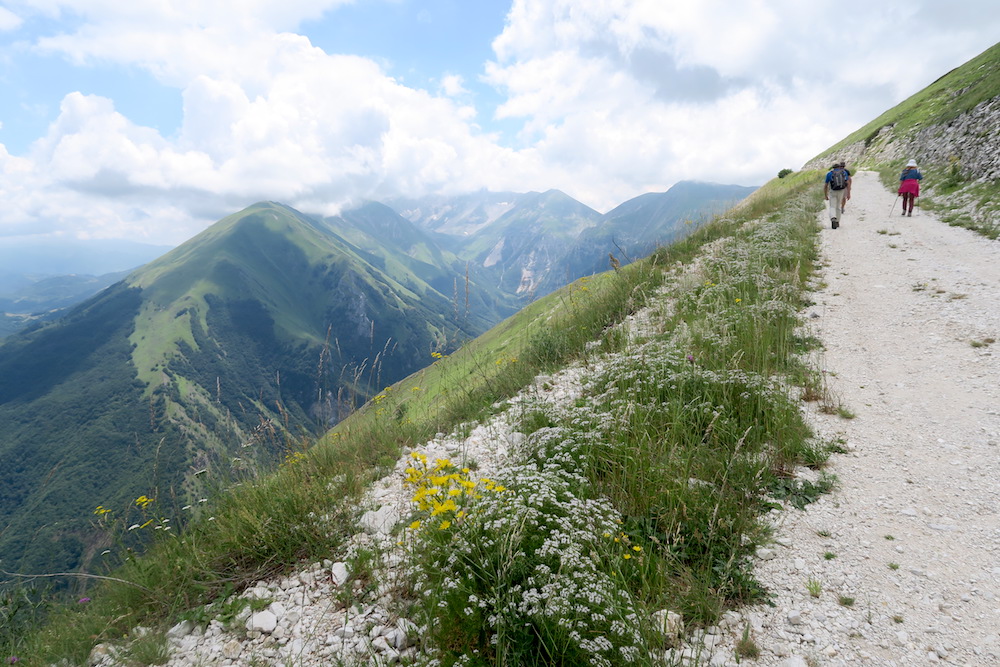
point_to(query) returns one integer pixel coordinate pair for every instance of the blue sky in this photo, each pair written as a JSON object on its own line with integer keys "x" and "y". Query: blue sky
{"x": 149, "y": 121}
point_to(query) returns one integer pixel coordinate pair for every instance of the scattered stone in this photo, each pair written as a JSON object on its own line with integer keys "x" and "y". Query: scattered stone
{"x": 232, "y": 649}
{"x": 670, "y": 623}
{"x": 340, "y": 574}
{"x": 180, "y": 630}
{"x": 263, "y": 621}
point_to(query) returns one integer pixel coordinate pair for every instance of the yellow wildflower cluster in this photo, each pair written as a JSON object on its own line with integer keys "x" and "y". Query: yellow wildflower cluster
{"x": 381, "y": 396}
{"x": 102, "y": 510}
{"x": 294, "y": 458}
{"x": 623, "y": 540}
{"x": 143, "y": 502}
{"x": 441, "y": 489}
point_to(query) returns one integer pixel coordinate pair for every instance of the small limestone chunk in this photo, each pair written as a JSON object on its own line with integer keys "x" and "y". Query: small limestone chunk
{"x": 232, "y": 650}
{"x": 100, "y": 652}
{"x": 339, "y": 573}
{"x": 670, "y": 623}
{"x": 180, "y": 630}
{"x": 263, "y": 621}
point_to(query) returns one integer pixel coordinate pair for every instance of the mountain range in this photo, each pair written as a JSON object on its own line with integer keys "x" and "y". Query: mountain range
{"x": 269, "y": 326}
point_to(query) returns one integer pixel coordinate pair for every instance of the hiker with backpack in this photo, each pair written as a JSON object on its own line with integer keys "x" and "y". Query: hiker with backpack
{"x": 837, "y": 190}
{"x": 909, "y": 186}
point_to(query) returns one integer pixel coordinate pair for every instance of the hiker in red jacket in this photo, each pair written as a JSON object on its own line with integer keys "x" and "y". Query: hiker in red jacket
{"x": 909, "y": 186}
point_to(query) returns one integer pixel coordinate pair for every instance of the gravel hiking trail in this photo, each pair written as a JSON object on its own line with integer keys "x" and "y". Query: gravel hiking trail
{"x": 905, "y": 554}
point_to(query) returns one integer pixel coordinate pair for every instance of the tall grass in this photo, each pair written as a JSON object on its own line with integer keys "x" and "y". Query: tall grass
{"x": 647, "y": 496}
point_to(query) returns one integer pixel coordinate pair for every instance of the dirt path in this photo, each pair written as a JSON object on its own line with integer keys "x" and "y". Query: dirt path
{"x": 913, "y": 533}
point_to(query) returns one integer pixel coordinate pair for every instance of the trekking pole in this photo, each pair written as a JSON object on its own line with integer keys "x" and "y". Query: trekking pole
{"x": 893, "y": 205}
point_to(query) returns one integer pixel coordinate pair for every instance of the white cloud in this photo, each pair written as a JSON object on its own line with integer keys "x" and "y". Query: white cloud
{"x": 637, "y": 94}
{"x": 453, "y": 85}
{"x": 9, "y": 20}
{"x": 319, "y": 131}
{"x": 611, "y": 99}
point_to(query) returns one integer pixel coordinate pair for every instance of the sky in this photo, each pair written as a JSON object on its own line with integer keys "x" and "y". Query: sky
{"x": 150, "y": 120}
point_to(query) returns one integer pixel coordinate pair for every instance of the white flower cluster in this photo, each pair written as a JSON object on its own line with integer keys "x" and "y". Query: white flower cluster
{"x": 538, "y": 559}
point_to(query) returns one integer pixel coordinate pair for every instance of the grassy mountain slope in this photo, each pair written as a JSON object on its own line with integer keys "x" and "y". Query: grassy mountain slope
{"x": 952, "y": 129}
{"x": 265, "y": 323}
{"x": 264, "y": 526}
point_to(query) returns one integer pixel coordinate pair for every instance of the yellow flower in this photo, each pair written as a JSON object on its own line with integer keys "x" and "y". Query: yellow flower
{"x": 738, "y": 300}
{"x": 628, "y": 556}
{"x": 415, "y": 525}
{"x": 447, "y": 506}
{"x": 445, "y": 525}
{"x": 637, "y": 548}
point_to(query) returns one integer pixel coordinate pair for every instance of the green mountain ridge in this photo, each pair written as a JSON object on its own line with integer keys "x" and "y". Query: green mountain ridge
{"x": 268, "y": 319}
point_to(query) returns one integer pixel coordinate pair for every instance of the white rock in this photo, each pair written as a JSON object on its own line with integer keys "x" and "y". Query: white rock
{"x": 339, "y": 573}
{"x": 277, "y": 609}
{"x": 794, "y": 617}
{"x": 794, "y": 661}
{"x": 232, "y": 650}
{"x": 262, "y": 621}
{"x": 100, "y": 652}
{"x": 670, "y": 623}
{"x": 380, "y": 521}
{"x": 260, "y": 592}
{"x": 180, "y": 630}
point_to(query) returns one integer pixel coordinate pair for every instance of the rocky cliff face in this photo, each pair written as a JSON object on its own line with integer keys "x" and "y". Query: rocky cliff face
{"x": 971, "y": 142}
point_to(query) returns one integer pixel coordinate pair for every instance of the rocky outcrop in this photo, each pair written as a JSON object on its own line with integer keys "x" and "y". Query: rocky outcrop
{"x": 970, "y": 142}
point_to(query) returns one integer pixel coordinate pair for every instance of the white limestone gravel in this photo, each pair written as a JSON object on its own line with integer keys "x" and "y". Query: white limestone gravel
{"x": 912, "y": 536}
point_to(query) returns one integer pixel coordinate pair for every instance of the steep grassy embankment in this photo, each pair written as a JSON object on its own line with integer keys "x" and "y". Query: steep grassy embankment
{"x": 732, "y": 321}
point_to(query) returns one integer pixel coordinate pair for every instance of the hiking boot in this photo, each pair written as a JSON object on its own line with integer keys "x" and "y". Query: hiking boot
{"x": 834, "y": 223}
{"x": 910, "y": 214}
